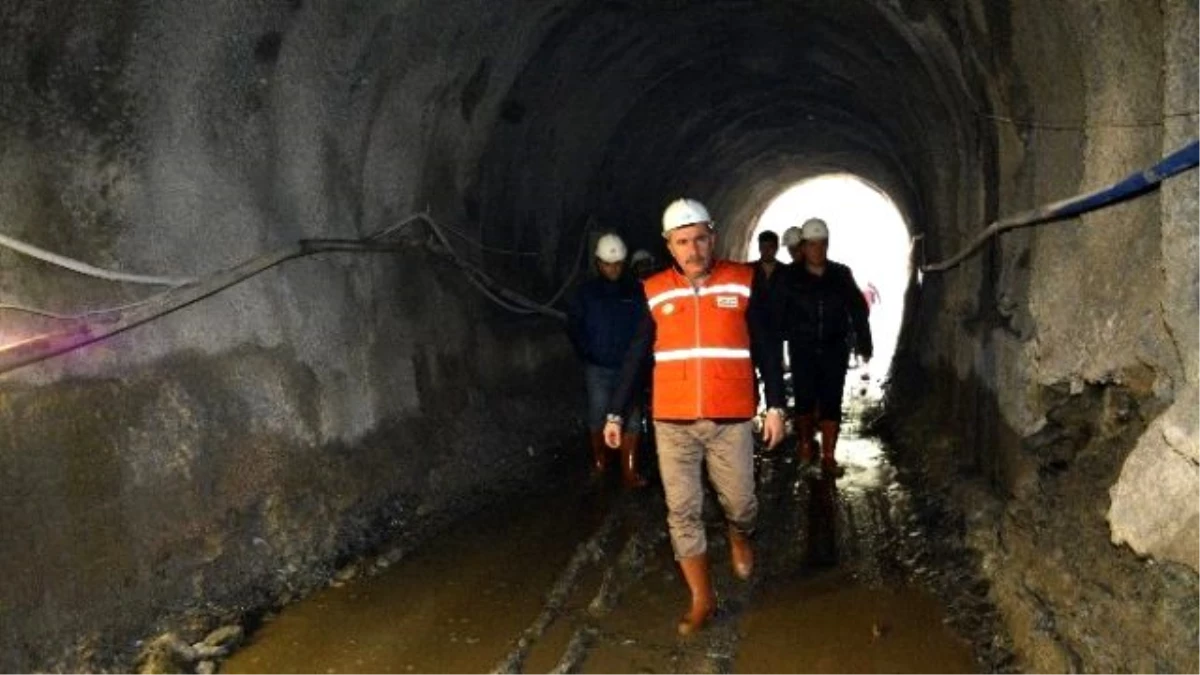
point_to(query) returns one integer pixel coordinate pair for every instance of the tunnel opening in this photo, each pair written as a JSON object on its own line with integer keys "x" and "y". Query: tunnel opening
{"x": 870, "y": 235}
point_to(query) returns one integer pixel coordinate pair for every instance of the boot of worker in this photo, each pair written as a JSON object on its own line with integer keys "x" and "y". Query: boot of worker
{"x": 704, "y": 602}
{"x": 599, "y": 454}
{"x": 630, "y": 477}
{"x": 804, "y": 435}
{"x": 741, "y": 553}
{"x": 829, "y": 438}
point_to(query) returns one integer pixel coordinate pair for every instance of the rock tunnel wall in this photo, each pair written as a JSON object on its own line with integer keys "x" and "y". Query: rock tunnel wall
{"x": 231, "y": 452}
{"x": 1063, "y": 358}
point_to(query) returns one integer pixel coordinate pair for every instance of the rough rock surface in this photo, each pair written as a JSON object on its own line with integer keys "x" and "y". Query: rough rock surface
{"x": 1162, "y": 465}
{"x": 1071, "y": 599}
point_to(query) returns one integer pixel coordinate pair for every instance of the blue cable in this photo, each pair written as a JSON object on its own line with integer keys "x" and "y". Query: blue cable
{"x": 1177, "y": 162}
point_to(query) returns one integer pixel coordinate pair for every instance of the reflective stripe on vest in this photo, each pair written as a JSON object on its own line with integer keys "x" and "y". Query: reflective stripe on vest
{"x": 702, "y": 353}
{"x": 702, "y": 364}
{"x": 726, "y": 289}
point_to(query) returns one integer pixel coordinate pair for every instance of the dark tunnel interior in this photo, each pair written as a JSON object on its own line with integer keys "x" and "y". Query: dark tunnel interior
{"x": 194, "y": 467}
{"x": 748, "y": 103}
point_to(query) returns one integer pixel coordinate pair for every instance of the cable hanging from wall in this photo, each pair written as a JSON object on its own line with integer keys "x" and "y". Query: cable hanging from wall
{"x": 1138, "y": 183}
{"x": 94, "y": 325}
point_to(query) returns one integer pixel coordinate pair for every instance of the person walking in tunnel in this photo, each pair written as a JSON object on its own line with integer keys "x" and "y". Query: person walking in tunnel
{"x": 601, "y": 321}
{"x": 767, "y": 273}
{"x": 701, "y": 324}
{"x": 821, "y": 311}
{"x": 641, "y": 263}
{"x": 767, "y": 265}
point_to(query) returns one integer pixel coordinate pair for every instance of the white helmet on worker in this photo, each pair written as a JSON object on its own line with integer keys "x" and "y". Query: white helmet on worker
{"x": 610, "y": 249}
{"x": 683, "y": 212}
{"x": 814, "y": 228}
{"x": 640, "y": 255}
{"x": 791, "y": 237}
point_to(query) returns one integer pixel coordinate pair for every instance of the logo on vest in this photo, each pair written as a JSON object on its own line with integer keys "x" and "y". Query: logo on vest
{"x": 668, "y": 308}
{"x": 727, "y": 301}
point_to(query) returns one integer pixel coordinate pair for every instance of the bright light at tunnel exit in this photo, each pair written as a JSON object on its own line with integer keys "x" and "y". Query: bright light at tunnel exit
{"x": 867, "y": 233}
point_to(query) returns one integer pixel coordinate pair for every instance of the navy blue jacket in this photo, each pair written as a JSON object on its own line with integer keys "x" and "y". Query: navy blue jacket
{"x": 603, "y": 317}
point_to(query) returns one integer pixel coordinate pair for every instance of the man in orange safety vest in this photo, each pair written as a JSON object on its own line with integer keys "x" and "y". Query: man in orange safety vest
{"x": 702, "y": 322}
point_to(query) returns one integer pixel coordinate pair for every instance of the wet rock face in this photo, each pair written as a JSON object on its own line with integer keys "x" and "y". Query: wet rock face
{"x": 175, "y": 138}
{"x": 1036, "y": 513}
{"x": 1056, "y": 359}
{"x": 1098, "y": 300}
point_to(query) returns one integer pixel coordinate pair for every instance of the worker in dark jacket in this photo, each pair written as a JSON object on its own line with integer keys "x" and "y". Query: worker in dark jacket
{"x": 602, "y": 320}
{"x": 768, "y": 271}
{"x": 821, "y": 311}
{"x": 767, "y": 267}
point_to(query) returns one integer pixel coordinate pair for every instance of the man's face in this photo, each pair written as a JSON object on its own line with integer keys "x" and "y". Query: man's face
{"x": 691, "y": 247}
{"x": 768, "y": 249}
{"x": 815, "y": 251}
{"x": 610, "y": 270}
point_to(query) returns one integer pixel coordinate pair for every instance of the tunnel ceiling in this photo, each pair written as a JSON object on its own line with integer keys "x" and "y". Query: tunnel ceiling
{"x": 628, "y": 104}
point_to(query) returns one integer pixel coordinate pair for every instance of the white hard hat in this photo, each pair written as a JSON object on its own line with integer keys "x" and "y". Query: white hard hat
{"x": 610, "y": 248}
{"x": 791, "y": 236}
{"x": 640, "y": 255}
{"x": 683, "y": 212}
{"x": 814, "y": 228}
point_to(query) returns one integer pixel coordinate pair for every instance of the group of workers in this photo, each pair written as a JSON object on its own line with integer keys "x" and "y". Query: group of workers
{"x": 702, "y": 326}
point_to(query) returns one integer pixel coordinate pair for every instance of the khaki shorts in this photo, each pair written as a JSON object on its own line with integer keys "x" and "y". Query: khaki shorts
{"x": 728, "y": 451}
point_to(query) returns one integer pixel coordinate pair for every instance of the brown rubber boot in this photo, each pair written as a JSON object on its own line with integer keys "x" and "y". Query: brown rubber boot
{"x": 630, "y": 477}
{"x": 600, "y": 452}
{"x": 829, "y": 438}
{"x": 804, "y": 438}
{"x": 704, "y": 603}
{"x": 741, "y": 553}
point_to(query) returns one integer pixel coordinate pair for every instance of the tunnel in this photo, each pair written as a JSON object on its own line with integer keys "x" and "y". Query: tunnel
{"x": 435, "y": 173}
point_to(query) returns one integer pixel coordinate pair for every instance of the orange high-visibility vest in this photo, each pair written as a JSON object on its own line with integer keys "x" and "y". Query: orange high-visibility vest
{"x": 702, "y": 367}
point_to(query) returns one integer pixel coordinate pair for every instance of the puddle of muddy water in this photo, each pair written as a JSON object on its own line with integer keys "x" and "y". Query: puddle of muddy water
{"x": 832, "y": 624}
{"x": 587, "y": 577}
{"x": 453, "y": 606}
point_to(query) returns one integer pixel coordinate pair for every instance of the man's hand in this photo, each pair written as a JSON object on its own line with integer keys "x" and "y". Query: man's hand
{"x": 773, "y": 430}
{"x": 612, "y": 434}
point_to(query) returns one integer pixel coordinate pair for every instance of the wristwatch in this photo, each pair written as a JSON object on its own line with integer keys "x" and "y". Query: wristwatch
{"x": 613, "y": 417}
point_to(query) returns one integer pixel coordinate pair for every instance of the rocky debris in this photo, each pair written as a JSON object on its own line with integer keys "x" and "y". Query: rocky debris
{"x": 347, "y": 573}
{"x": 1069, "y": 598}
{"x": 169, "y": 653}
{"x": 219, "y": 643}
{"x": 225, "y": 636}
{"x": 1154, "y": 503}
{"x": 352, "y": 571}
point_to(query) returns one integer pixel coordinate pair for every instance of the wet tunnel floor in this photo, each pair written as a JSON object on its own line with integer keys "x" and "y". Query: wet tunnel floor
{"x": 583, "y": 581}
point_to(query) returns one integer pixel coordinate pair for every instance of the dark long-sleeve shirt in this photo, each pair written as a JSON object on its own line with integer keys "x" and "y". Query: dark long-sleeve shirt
{"x": 766, "y": 347}
{"x": 765, "y": 289}
{"x": 823, "y": 311}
